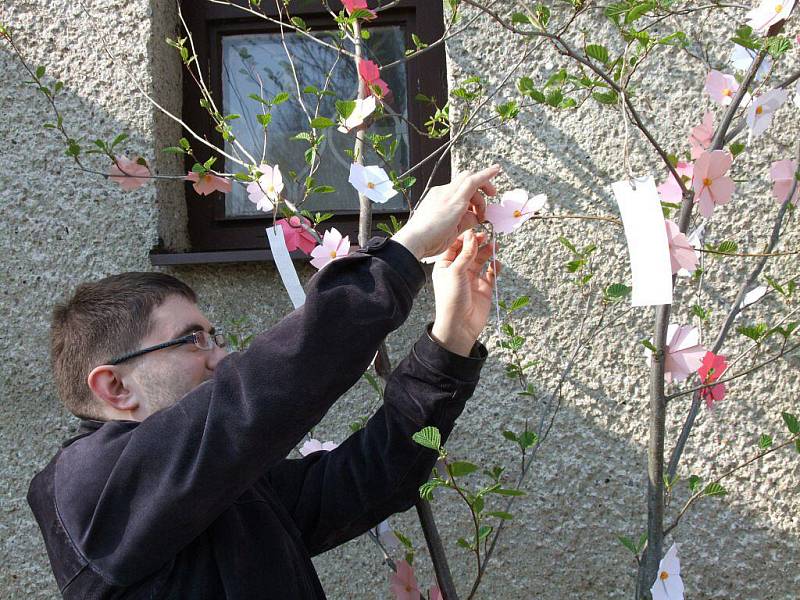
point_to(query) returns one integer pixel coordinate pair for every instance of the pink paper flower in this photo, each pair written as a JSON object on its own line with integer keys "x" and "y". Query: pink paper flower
{"x": 371, "y": 74}
{"x": 760, "y": 112}
{"x": 684, "y": 353}
{"x": 681, "y": 253}
{"x": 700, "y": 137}
{"x": 266, "y": 190}
{"x": 353, "y": 5}
{"x": 403, "y": 583}
{"x": 768, "y": 13}
{"x": 721, "y": 87}
{"x": 333, "y": 246}
{"x": 296, "y": 235}
{"x": 783, "y": 173}
{"x": 712, "y": 187}
{"x": 670, "y": 190}
{"x": 313, "y": 445}
{"x": 208, "y": 183}
{"x": 129, "y": 173}
{"x": 435, "y": 593}
{"x": 514, "y": 209}
{"x": 713, "y": 367}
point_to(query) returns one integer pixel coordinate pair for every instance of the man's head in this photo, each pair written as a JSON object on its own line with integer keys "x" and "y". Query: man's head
{"x": 110, "y": 318}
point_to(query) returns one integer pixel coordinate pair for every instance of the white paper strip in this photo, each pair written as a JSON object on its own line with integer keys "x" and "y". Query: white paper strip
{"x": 647, "y": 241}
{"x": 283, "y": 261}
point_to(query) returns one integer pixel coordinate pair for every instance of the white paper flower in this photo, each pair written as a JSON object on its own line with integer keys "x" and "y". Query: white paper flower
{"x": 362, "y": 110}
{"x": 313, "y": 445}
{"x": 760, "y": 112}
{"x": 372, "y": 182}
{"x": 741, "y": 58}
{"x": 696, "y": 240}
{"x": 266, "y": 190}
{"x": 753, "y": 296}
{"x": 769, "y": 12}
{"x": 668, "y": 584}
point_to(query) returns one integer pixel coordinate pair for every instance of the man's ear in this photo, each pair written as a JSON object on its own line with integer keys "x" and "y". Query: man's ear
{"x": 109, "y": 387}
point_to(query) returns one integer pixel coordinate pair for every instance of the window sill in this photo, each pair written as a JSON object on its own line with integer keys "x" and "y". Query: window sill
{"x": 164, "y": 259}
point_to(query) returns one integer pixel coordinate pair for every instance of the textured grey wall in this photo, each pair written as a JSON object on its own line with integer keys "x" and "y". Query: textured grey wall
{"x": 60, "y": 228}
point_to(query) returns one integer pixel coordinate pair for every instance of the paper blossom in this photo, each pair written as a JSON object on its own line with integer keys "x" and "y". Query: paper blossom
{"x": 684, "y": 353}
{"x": 711, "y": 370}
{"x": 760, "y": 112}
{"x": 313, "y": 445}
{"x": 403, "y": 583}
{"x": 670, "y": 191}
{"x": 753, "y": 296}
{"x": 333, "y": 246}
{"x": 769, "y": 12}
{"x": 783, "y": 173}
{"x": 354, "y": 5}
{"x": 514, "y": 209}
{"x": 712, "y": 187}
{"x": 371, "y": 74}
{"x": 296, "y": 235}
{"x": 266, "y": 190}
{"x": 701, "y": 136}
{"x": 208, "y": 183}
{"x": 668, "y": 584}
{"x": 721, "y": 87}
{"x": 363, "y": 109}
{"x": 797, "y": 93}
{"x": 372, "y": 182}
{"x": 387, "y": 537}
{"x": 696, "y": 240}
{"x": 435, "y": 593}
{"x": 129, "y": 173}
{"x": 681, "y": 252}
{"x": 741, "y": 58}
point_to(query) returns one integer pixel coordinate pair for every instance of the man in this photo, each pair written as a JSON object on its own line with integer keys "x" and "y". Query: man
{"x": 177, "y": 484}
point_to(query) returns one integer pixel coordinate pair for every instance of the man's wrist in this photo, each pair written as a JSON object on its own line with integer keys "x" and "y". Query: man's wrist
{"x": 410, "y": 241}
{"x": 452, "y": 339}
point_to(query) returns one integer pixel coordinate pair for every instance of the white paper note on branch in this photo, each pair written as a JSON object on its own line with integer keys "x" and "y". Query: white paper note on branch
{"x": 647, "y": 241}
{"x": 283, "y": 261}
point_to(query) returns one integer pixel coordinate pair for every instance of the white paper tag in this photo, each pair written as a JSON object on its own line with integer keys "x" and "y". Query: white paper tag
{"x": 648, "y": 245}
{"x": 283, "y": 261}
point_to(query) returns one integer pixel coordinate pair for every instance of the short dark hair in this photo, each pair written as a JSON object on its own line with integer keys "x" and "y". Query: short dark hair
{"x": 101, "y": 320}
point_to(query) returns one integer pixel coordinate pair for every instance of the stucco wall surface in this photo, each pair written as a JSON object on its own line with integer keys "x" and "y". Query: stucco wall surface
{"x": 60, "y": 227}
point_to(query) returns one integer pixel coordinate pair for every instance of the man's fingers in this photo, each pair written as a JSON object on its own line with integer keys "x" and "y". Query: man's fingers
{"x": 468, "y": 251}
{"x": 478, "y": 206}
{"x": 468, "y": 221}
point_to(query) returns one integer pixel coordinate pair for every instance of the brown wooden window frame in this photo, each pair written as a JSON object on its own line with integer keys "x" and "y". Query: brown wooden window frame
{"x": 210, "y": 232}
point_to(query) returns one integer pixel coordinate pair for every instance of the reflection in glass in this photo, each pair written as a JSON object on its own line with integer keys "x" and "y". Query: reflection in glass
{"x": 255, "y": 61}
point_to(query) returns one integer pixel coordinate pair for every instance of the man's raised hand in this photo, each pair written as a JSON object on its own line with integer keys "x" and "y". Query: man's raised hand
{"x": 446, "y": 211}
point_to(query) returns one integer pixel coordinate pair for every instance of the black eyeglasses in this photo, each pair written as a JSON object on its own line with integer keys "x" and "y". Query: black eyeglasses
{"x": 201, "y": 339}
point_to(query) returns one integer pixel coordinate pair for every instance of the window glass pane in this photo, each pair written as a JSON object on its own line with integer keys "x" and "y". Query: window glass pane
{"x": 253, "y": 57}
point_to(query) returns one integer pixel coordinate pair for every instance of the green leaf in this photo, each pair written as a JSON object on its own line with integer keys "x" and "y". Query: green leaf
{"x": 321, "y": 123}
{"x": 299, "y": 23}
{"x": 649, "y": 345}
{"x": 508, "y": 492}
{"x": 40, "y": 72}
{"x": 700, "y": 312}
{"x": 404, "y": 540}
{"x": 519, "y": 18}
{"x": 765, "y": 441}
{"x": 597, "y": 52}
{"x": 694, "y": 483}
{"x": 373, "y": 382}
{"x": 609, "y": 97}
{"x": 428, "y": 437}
{"x": 510, "y": 436}
{"x": 500, "y": 515}
{"x": 461, "y": 468}
{"x": 569, "y": 245}
{"x": 280, "y": 98}
{"x": 628, "y": 543}
{"x": 174, "y": 150}
{"x": 520, "y": 302}
{"x": 344, "y": 108}
{"x": 617, "y": 291}
{"x": 754, "y": 332}
{"x": 791, "y": 422}
{"x": 736, "y": 148}
{"x": 119, "y": 139}
{"x": 638, "y": 11}
{"x": 484, "y": 532}
{"x": 778, "y": 45}
{"x": 426, "y": 489}
{"x": 264, "y": 119}
{"x": 728, "y": 246}
{"x": 464, "y": 544}
{"x": 714, "y": 489}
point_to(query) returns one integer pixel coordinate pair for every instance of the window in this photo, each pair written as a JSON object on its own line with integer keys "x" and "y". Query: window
{"x": 236, "y": 50}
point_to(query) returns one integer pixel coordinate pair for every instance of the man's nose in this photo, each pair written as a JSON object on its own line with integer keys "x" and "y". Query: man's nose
{"x": 214, "y": 356}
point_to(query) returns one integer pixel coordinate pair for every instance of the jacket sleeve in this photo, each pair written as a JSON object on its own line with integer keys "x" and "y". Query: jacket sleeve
{"x": 335, "y": 496}
{"x": 158, "y": 484}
